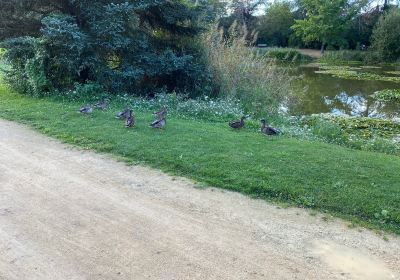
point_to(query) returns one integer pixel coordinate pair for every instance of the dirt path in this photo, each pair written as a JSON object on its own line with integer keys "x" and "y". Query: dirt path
{"x": 68, "y": 214}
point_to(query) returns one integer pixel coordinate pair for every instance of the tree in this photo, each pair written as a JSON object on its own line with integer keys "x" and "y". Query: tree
{"x": 241, "y": 16}
{"x": 122, "y": 45}
{"x": 327, "y": 21}
{"x": 275, "y": 25}
{"x": 23, "y": 17}
{"x": 386, "y": 38}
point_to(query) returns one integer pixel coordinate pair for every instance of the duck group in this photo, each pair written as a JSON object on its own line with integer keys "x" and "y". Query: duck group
{"x": 161, "y": 118}
{"x": 265, "y": 127}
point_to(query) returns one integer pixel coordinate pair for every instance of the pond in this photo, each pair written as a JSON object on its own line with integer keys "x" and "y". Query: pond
{"x": 344, "y": 90}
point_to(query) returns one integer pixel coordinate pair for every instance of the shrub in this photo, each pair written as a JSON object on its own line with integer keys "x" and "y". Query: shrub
{"x": 243, "y": 75}
{"x": 287, "y": 55}
{"x": 126, "y": 46}
{"x": 332, "y": 57}
{"x": 386, "y": 38}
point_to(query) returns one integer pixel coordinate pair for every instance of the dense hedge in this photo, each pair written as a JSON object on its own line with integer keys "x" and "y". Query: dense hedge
{"x": 124, "y": 46}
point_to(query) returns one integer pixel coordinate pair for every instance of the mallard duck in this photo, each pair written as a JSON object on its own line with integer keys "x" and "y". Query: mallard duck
{"x": 130, "y": 121}
{"x": 238, "y": 124}
{"x": 124, "y": 114}
{"x": 102, "y": 105}
{"x": 86, "y": 110}
{"x": 268, "y": 130}
{"x": 159, "y": 123}
{"x": 162, "y": 113}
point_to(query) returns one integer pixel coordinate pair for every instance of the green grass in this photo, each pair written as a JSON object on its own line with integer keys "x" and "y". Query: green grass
{"x": 363, "y": 187}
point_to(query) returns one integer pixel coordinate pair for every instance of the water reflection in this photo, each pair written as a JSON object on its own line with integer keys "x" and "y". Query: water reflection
{"x": 319, "y": 93}
{"x": 356, "y": 105}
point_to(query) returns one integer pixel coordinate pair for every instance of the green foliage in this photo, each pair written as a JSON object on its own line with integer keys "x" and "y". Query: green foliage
{"x": 203, "y": 108}
{"x": 327, "y": 21}
{"x": 127, "y": 46}
{"x": 274, "y": 29}
{"x": 2, "y": 53}
{"x": 388, "y": 95}
{"x": 357, "y": 133}
{"x": 330, "y": 178}
{"x": 244, "y": 75}
{"x": 333, "y": 57}
{"x": 354, "y": 75}
{"x": 23, "y": 17}
{"x": 386, "y": 38}
{"x": 286, "y": 55}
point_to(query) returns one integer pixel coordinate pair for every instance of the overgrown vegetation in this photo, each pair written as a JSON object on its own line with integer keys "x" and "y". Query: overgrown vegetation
{"x": 304, "y": 173}
{"x": 244, "y": 75}
{"x": 366, "y": 134}
{"x": 344, "y": 56}
{"x": 388, "y": 95}
{"x": 354, "y": 75}
{"x": 123, "y": 46}
{"x": 285, "y": 54}
{"x": 386, "y": 38}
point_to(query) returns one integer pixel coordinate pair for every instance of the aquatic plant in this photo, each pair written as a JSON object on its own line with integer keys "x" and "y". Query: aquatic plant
{"x": 362, "y": 76}
{"x": 387, "y": 95}
{"x": 370, "y": 67}
{"x": 393, "y": 72}
{"x": 369, "y": 134}
{"x": 339, "y": 67}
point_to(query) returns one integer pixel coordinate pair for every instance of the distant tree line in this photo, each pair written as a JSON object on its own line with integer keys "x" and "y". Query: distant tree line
{"x": 337, "y": 24}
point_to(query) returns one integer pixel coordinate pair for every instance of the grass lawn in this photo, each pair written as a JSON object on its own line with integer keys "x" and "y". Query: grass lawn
{"x": 361, "y": 186}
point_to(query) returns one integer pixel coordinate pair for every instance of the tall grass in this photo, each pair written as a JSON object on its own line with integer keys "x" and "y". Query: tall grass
{"x": 285, "y": 54}
{"x": 241, "y": 74}
{"x": 332, "y": 57}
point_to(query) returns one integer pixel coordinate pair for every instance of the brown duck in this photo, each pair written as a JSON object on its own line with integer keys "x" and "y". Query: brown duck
{"x": 130, "y": 121}
{"x": 102, "y": 105}
{"x": 123, "y": 115}
{"x": 162, "y": 113}
{"x": 86, "y": 110}
{"x": 268, "y": 130}
{"x": 238, "y": 124}
{"x": 159, "y": 123}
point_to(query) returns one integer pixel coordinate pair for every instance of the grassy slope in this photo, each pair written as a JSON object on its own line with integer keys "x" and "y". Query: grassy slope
{"x": 349, "y": 183}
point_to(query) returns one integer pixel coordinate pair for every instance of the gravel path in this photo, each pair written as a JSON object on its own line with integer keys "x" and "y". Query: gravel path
{"x": 70, "y": 214}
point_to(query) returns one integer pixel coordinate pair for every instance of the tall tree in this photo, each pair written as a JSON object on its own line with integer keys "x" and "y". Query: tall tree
{"x": 274, "y": 27}
{"x": 23, "y": 17}
{"x": 123, "y": 45}
{"x": 386, "y": 38}
{"x": 327, "y": 21}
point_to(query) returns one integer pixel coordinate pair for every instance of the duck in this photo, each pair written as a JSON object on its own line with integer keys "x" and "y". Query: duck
{"x": 124, "y": 114}
{"x": 159, "y": 123}
{"x": 86, "y": 110}
{"x": 102, "y": 105}
{"x": 268, "y": 130}
{"x": 130, "y": 121}
{"x": 238, "y": 124}
{"x": 162, "y": 113}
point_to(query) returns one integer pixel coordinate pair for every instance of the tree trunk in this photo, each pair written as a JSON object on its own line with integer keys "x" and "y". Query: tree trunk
{"x": 322, "y": 48}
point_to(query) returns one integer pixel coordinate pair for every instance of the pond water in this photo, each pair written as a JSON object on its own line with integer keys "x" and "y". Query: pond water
{"x": 323, "y": 93}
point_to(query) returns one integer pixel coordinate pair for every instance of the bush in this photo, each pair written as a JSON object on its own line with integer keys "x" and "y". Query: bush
{"x": 386, "y": 36}
{"x": 287, "y": 55}
{"x": 243, "y": 75}
{"x": 125, "y": 47}
{"x": 332, "y": 57}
